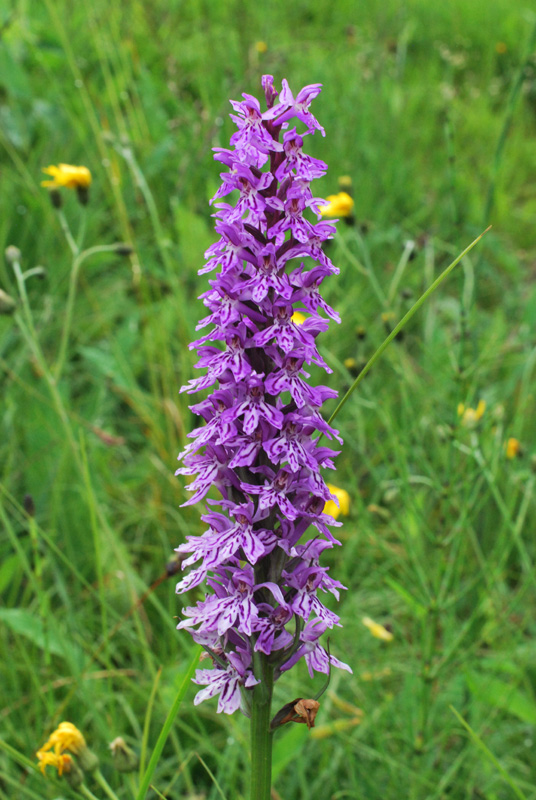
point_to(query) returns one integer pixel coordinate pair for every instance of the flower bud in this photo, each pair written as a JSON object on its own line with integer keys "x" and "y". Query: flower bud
{"x": 55, "y": 198}
{"x": 12, "y": 254}
{"x": 82, "y": 192}
{"x": 29, "y": 505}
{"x": 345, "y": 184}
{"x": 89, "y": 761}
{"x": 73, "y": 774}
{"x": 124, "y": 758}
{"x": 513, "y": 448}
{"x": 123, "y": 249}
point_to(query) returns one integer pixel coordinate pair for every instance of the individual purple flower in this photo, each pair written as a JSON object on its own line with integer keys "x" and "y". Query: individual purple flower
{"x": 259, "y": 445}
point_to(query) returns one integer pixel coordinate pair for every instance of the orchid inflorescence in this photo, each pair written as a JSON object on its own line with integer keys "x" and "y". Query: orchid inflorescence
{"x": 260, "y": 444}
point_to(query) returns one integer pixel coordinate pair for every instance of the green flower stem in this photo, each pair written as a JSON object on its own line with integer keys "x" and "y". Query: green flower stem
{"x": 67, "y": 233}
{"x": 105, "y": 786}
{"x": 86, "y": 792}
{"x": 77, "y": 263}
{"x": 406, "y": 318}
{"x": 261, "y": 735}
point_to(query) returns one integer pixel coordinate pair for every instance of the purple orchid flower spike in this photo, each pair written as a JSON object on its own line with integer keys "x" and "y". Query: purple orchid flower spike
{"x": 258, "y": 443}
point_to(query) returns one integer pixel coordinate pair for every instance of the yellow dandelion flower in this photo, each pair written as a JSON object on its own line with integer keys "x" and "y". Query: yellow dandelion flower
{"x": 470, "y": 416}
{"x": 343, "y": 497}
{"x": 377, "y": 630}
{"x": 67, "y": 176}
{"x": 61, "y": 762}
{"x": 339, "y": 205}
{"x": 66, "y": 737}
{"x": 513, "y": 447}
{"x": 261, "y": 47}
{"x": 298, "y": 318}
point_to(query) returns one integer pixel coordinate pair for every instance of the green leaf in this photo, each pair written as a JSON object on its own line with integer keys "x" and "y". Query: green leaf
{"x": 419, "y": 609}
{"x": 26, "y": 624}
{"x": 8, "y": 569}
{"x": 503, "y": 695}
{"x": 287, "y": 747}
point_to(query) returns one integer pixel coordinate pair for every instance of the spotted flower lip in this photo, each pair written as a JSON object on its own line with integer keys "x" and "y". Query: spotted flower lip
{"x": 258, "y": 444}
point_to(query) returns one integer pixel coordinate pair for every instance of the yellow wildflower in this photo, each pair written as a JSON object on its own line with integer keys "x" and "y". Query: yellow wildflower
{"x": 513, "y": 448}
{"x": 343, "y": 497}
{"x": 501, "y": 48}
{"x": 339, "y": 205}
{"x": 261, "y": 47}
{"x": 377, "y": 630}
{"x": 470, "y": 416}
{"x": 65, "y": 737}
{"x": 68, "y": 176}
{"x": 345, "y": 182}
{"x": 68, "y": 737}
{"x": 298, "y": 318}
{"x": 61, "y": 762}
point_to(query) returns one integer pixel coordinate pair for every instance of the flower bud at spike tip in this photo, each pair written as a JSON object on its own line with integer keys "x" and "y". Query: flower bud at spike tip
{"x": 260, "y": 439}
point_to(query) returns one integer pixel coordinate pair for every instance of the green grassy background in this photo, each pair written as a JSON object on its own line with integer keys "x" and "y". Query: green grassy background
{"x": 431, "y": 109}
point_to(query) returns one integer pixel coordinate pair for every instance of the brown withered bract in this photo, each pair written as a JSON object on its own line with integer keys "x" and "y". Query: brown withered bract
{"x": 299, "y": 710}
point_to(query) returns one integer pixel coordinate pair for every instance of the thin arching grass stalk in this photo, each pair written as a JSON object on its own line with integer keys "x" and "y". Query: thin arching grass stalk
{"x": 64, "y": 225}
{"x": 405, "y": 319}
{"x": 73, "y": 278}
{"x": 147, "y": 724}
{"x": 97, "y": 543}
{"x": 489, "y": 755}
{"x": 211, "y": 776}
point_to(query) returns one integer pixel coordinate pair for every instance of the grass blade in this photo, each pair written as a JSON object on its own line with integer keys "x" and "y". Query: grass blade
{"x": 164, "y": 733}
{"x": 406, "y": 318}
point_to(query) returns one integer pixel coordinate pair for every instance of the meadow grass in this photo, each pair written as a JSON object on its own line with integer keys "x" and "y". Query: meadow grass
{"x": 430, "y": 109}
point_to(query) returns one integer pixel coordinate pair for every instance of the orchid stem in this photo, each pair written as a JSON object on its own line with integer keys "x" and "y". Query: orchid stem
{"x": 261, "y": 736}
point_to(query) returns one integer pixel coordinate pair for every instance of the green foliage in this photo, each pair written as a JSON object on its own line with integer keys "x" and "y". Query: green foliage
{"x": 430, "y": 109}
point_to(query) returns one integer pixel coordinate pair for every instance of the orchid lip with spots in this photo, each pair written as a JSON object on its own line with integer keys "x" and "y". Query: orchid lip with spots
{"x": 259, "y": 446}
